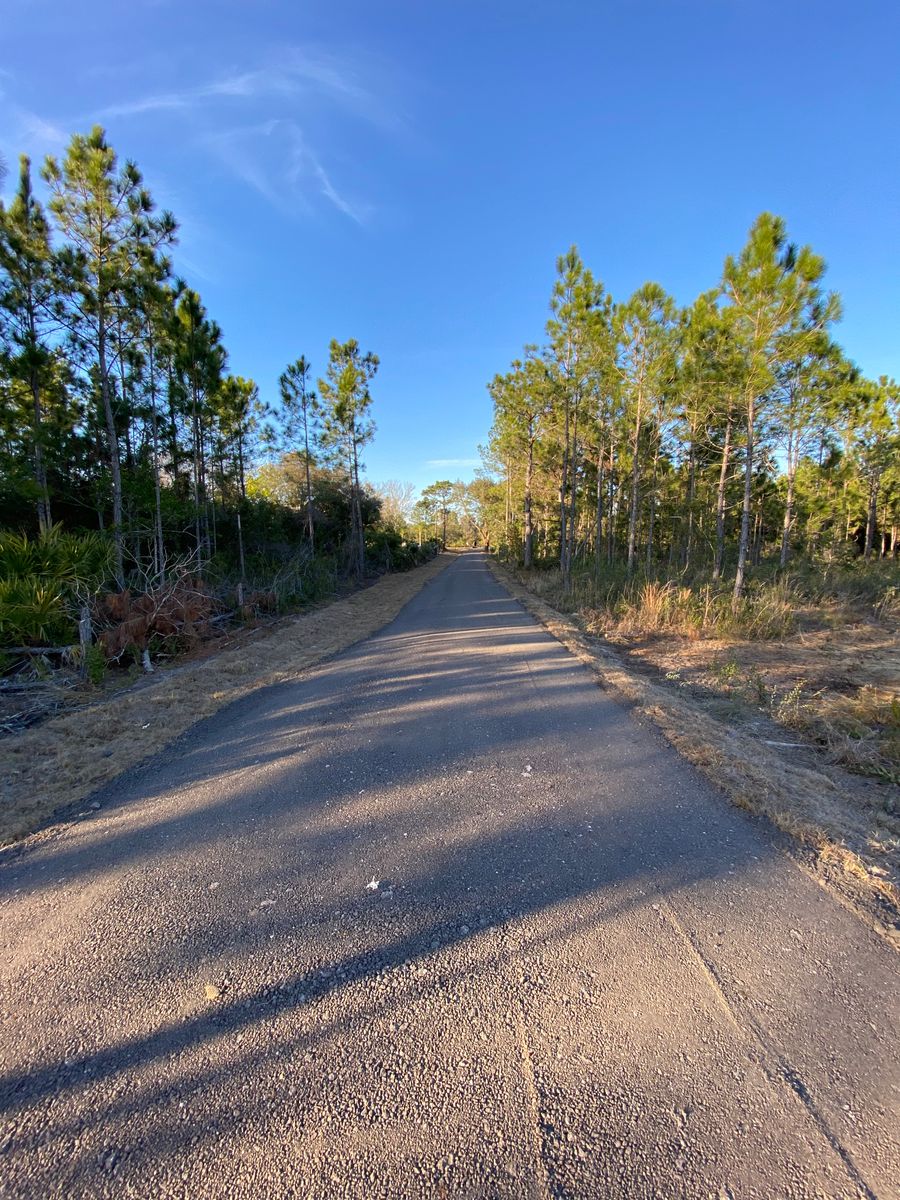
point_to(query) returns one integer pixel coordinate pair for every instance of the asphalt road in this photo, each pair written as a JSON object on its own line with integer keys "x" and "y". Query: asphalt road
{"x": 438, "y": 919}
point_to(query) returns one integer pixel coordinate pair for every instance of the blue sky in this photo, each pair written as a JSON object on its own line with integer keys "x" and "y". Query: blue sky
{"x": 407, "y": 172}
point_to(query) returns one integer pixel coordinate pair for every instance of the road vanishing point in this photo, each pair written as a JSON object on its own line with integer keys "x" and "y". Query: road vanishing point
{"x": 439, "y": 918}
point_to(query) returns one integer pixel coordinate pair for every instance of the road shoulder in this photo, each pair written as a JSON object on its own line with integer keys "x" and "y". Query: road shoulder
{"x": 826, "y": 837}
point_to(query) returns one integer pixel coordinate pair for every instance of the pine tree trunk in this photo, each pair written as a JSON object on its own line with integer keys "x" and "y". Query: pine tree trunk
{"x": 196, "y": 474}
{"x": 211, "y": 510}
{"x": 44, "y": 517}
{"x": 757, "y": 538}
{"x": 528, "y": 548}
{"x": 240, "y": 533}
{"x": 563, "y": 507}
{"x": 871, "y": 517}
{"x": 788, "y": 509}
{"x": 508, "y": 515}
{"x": 652, "y": 522}
{"x": 720, "y": 502}
{"x": 635, "y": 481}
{"x": 310, "y": 525}
{"x": 744, "y": 542}
{"x": 598, "y": 531}
{"x": 160, "y": 554}
{"x": 611, "y": 510}
{"x": 573, "y": 499}
{"x": 40, "y": 471}
{"x": 691, "y": 496}
{"x": 113, "y": 448}
{"x": 356, "y": 520}
{"x": 172, "y": 430}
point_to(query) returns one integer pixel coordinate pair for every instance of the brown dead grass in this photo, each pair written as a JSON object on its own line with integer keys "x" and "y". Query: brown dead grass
{"x": 839, "y": 820}
{"x": 66, "y": 758}
{"x": 838, "y": 689}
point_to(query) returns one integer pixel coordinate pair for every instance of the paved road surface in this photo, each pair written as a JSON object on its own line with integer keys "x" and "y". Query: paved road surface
{"x": 581, "y": 972}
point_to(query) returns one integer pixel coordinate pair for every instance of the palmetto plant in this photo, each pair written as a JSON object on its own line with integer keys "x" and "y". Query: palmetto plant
{"x": 38, "y": 579}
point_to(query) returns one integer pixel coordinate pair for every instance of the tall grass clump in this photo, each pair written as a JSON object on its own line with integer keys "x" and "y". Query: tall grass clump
{"x": 644, "y": 605}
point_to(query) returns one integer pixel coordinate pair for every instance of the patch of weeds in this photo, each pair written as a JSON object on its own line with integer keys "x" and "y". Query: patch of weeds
{"x": 756, "y": 689}
{"x": 789, "y": 707}
{"x": 726, "y": 673}
{"x": 95, "y": 664}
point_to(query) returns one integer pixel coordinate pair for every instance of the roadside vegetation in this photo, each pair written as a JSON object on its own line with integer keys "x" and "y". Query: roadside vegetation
{"x": 152, "y": 503}
{"x": 816, "y": 650}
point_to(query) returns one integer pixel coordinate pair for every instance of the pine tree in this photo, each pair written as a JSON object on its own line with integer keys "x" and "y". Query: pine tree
{"x": 876, "y": 444}
{"x": 769, "y": 287}
{"x": 644, "y": 329}
{"x": 29, "y": 299}
{"x": 199, "y": 360}
{"x": 580, "y": 309}
{"x": 107, "y": 217}
{"x": 348, "y": 426}
{"x": 301, "y": 414}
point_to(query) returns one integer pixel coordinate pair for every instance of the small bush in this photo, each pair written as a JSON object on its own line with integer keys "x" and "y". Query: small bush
{"x": 33, "y": 613}
{"x": 95, "y": 664}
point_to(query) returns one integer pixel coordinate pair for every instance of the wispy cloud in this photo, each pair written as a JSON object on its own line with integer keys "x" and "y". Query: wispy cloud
{"x": 275, "y": 125}
{"x": 146, "y": 104}
{"x": 274, "y": 159}
{"x": 453, "y": 462}
{"x": 271, "y": 150}
{"x": 356, "y": 212}
{"x": 25, "y": 132}
{"x": 238, "y": 150}
{"x": 292, "y": 73}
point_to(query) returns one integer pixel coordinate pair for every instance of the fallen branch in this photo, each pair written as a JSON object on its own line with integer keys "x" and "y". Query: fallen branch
{"x": 36, "y": 649}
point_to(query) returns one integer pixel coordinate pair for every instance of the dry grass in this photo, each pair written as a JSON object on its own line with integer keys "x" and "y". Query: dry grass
{"x": 837, "y": 688}
{"x": 840, "y": 820}
{"x": 639, "y": 607}
{"x": 66, "y": 758}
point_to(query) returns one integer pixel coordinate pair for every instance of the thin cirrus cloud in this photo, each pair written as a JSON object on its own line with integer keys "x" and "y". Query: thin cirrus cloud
{"x": 271, "y": 151}
{"x": 260, "y": 125}
{"x": 275, "y": 159}
{"x": 293, "y": 73}
{"x": 26, "y": 131}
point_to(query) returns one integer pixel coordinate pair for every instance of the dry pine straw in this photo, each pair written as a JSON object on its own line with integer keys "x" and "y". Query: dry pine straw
{"x": 806, "y": 804}
{"x": 63, "y": 760}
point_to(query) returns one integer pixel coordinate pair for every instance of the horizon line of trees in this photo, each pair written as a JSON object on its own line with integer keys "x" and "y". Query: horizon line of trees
{"x": 645, "y": 435}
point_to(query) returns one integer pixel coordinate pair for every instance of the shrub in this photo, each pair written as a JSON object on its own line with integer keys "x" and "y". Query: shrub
{"x": 39, "y": 578}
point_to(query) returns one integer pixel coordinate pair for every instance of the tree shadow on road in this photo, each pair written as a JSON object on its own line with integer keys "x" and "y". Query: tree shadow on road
{"x": 501, "y": 803}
